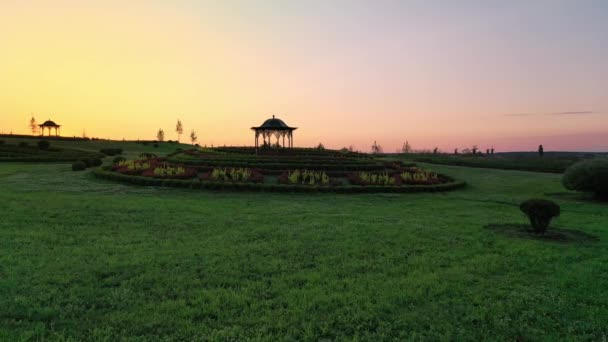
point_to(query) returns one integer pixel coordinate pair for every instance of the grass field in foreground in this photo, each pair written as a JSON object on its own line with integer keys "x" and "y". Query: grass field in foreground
{"x": 86, "y": 259}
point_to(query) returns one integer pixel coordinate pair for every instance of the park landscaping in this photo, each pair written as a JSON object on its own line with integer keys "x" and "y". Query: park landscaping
{"x": 86, "y": 258}
{"x": 271, "y": 170}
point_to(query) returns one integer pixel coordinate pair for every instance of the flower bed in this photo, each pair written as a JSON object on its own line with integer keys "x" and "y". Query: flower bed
{"x": 374, "y": 176}
{"x": 408, "y": 176}
{"x": 107, "y": 173}
{"x": 233, "y": 175}
{"x": 306, "y": 177}
{"x": 168, "y": 171}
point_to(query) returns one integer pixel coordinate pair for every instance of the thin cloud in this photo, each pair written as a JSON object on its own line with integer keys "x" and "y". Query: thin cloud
{"x": 582, "y": 112}
{"x": 579, "y": 112}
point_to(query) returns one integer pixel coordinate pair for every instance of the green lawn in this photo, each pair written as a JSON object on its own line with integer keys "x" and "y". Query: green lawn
{"x": 131, "y": 149}
{"x": 86, "y": 259}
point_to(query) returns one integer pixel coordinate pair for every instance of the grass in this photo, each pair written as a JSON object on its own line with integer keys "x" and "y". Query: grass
{"x": 85, "y": 259}
{"x": 130, "y": 149}
{"x": 552, "y": 162}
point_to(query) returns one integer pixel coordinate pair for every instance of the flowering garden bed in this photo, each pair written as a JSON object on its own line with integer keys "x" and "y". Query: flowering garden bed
{"x": 217, "y": 169}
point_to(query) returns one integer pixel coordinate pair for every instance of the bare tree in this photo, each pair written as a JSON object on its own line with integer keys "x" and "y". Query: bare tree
{"x": 193, "y": 137}
{"x": 33, "y": 125}
{"x": 376, "y": 148}
{"x": 406, "y": 148}
{"x": 179, "y": 128}
{"x": 160, "y": 136}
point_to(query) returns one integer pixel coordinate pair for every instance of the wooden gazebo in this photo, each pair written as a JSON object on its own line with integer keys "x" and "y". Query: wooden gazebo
{"x": 274, "y": 127}
{"x": 48, "y": 124}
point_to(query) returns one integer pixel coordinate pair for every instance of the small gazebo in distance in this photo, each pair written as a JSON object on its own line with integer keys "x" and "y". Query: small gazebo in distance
{"x": 274, "y": 127}
{"x": 48, "y": 124}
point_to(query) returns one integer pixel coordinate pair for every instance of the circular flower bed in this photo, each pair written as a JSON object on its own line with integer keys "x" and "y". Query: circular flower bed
{"x": 298, "y": 171}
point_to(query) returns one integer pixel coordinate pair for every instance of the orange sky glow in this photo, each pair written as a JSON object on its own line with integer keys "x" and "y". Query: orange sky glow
{"x": 511, "y": 76}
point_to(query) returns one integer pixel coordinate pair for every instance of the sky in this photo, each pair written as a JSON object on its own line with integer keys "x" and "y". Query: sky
{"x": 448, "y": 74}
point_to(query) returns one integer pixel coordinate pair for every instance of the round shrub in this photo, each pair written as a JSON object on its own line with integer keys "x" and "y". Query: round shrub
{"x": 588, "y": 176}
{"x": 119, "y": 159}
{"x": 540, "y": 212}
{"x": 91, "y": 162}
{"x": 1, "y": 142}
{"x": 44, "y": 144}
{"x": 23, "y": 144}
{"x": 79, "y": 166}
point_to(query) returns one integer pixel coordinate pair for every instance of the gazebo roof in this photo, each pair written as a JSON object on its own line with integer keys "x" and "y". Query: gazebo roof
{"x": 274, "y": 124}
{"x": 49, "y": 123}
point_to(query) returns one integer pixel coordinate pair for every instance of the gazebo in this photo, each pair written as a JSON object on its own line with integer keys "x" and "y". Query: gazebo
{"x": 48, "y": 124}
{"x": 274, "y": 127}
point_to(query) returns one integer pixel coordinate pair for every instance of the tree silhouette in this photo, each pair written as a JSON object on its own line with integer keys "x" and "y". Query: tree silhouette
{"x": 179, "y": 128}
{"x": 160, "y": 136}
{"x": 406, "y": 148}
{"x": 541, "y": 150}
{"x": 193, "y": 137}
{"x": 376, "y": 148}
{"x": 33, "y": 125}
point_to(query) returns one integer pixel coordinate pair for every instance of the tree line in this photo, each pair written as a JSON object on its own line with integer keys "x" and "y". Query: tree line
{"x": 179, "y": 129}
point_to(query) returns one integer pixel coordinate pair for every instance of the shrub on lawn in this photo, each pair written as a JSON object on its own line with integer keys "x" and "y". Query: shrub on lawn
{"x": 1, "y": 142}
{"x": 44, "y": 144}
{"x": 79, "y": 166}
{"x": 119, "y": 159}
{"x": 588, "y": 176}
{"x": 23, "y": 144}
{"x": 111, "y": 151}
{"x": 540, "y": 212}
{"x": 91, "y": 162}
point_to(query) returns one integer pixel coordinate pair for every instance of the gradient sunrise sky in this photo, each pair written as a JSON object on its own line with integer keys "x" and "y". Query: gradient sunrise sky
{"x": 453, "y": 73}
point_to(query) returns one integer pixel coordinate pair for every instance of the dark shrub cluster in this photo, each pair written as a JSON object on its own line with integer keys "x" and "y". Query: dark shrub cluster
{"x": 92, "y": 162}
{"x": 540, "y": 212}
{"x": 1, "y": 142}
{"x": 44, "y": 144}
{"x": 79, "y": 166}
{"x": 588, "y": 176}
{"x": 23, "y": 144}
{"x": 119, "y": 159}
{"x": 111, "y": 151}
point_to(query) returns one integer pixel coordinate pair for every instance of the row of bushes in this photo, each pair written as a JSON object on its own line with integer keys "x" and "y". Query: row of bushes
{"x": 258, "y": 165}
{"x": 533, "y": 164}
{"x": 224, "y": 155}
{"x": 197, "y": 184}
{"x": 298, "y": 151}
{"x": 111, "y": 151}
{"x": 86, "y": 163}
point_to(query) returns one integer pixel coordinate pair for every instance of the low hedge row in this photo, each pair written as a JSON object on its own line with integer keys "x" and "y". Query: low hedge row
{"x": 283, "y": 166}
{"x": 105, "y": 173}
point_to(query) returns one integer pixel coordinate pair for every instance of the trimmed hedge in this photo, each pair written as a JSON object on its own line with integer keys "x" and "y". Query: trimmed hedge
{"x": 540, "y": 212}
{"x": 111, "y": 151}
{"x": 588, "y": 176}
{"x": 79, "y": 166}
{"x": 106, "y": 173}
{"x": 44, "y": 144}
